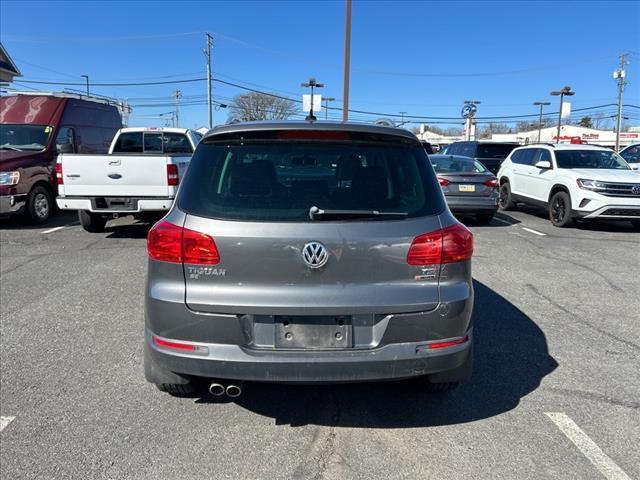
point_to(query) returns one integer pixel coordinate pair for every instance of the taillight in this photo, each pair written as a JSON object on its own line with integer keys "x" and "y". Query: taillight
{"x": 449, "y": 245}
{"x": 199, "y": 248}
{"x": 172, "y": 175}
{"x": 164, "y": 242}
{"x": 443, "y": 181}
{"x": 492, "y": 182}
{"x": 59, "y": 177}
{"x": 170, "y": 243}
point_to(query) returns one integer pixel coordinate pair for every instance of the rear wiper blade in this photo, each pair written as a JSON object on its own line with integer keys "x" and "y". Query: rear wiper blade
{"x": 316, "y": 213}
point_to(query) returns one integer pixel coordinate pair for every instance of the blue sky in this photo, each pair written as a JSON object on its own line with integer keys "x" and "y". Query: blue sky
{"x": 424, "y": 58}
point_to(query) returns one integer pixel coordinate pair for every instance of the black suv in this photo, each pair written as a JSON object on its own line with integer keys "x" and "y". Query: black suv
{"x": 490, "y": 154}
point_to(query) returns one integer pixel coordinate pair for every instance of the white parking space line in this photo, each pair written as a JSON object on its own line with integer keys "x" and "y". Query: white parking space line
{"x": 531, "y": 230}
{"x": 4, "y": 421}
{"x": 588, "y": 447}
{"x": 55, "y": 229}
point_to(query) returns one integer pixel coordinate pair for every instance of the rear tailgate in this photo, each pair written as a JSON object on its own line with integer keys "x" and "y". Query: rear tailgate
{"x": 117, "y": 175}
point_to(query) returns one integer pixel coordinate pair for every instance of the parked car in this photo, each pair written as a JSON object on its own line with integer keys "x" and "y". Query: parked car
{"x": 631, "y": 154}
{"x": 427, "y": 147}
{"x": 138, "y": 176}
{"x": 571, "y": 181}
{"x": 34, "y": 128}
{"x": 489, "y": 153}
{"x": 306, "y": 252}
{"x": 470, "y": 189}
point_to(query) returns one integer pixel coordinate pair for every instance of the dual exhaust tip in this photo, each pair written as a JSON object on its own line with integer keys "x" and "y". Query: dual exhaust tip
{"x": 232, "y": 390}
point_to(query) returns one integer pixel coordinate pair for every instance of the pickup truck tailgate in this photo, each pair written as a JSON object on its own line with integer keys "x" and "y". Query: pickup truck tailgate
{"x": 117, "y": 175}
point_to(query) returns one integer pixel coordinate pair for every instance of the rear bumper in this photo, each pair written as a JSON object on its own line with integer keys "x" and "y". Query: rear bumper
{"x": 389, "y": 362}
{"x": 137, "y": 204}
{"x": 471, "y": 204}
{"x": 12, "y": 204}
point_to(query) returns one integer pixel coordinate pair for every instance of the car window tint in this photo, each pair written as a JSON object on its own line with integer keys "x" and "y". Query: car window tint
{"x": 65, "y": 140}
{"x": 176, "y": 143}
{"x": 152, "y": 142}
{"x": 601, "y": 159}
{"x": 456, "y": 165}
{"x": 129, "y": 142}
{"x": 281, "y": 181}
{"x": 494, "y": 150}
{"x": 631, "y": 154}
{"x": 466, "y": 150}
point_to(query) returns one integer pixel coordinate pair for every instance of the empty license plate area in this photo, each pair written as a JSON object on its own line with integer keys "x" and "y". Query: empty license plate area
{"x": 114, "y": 203}
{"x": 316, "y": 332}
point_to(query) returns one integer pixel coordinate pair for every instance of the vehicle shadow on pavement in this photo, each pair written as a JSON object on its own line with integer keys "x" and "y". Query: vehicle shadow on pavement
{"x": 511, "y": 359}
{"x": 501, "y": 219}
{"x": 57, "y": 219}
{"x": 139, "y": 229}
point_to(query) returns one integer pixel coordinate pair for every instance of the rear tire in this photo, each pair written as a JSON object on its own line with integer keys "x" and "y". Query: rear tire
{"x": 39, "y": 205}
{"x": 484, "y": 218}
{"x": 505, "y": 199}
{"x": 91, "y": 222}
{"x": 560, "y": 210}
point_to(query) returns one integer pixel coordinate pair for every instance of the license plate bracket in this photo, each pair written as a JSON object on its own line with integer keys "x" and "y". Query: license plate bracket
{"x": 467, "y": 188}
{"x": 313, "y": 332}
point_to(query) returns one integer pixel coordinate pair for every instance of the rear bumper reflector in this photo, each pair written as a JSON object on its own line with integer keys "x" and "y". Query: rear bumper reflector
{"x": 180, "y": 346}
{"x": 446, "y": 343}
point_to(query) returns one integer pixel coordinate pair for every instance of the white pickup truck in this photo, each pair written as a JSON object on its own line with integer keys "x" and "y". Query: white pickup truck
{"x": 139, "y": 175}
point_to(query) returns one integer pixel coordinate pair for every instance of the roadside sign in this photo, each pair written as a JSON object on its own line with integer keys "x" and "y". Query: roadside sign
{"x": 306, "y": 103}
{"x": 566, "y": 109}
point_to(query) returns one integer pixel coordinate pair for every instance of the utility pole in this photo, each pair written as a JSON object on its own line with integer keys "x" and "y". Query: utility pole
{"x": 347, "y": 63}
{"x": 565, "y": 91}
{"x": 326, "y": 106}
{"x": 619, "y": 75}
{"x": 207, "y": 54}
{"x": 402, "y": 114}
{"x": 178, "y": 95}
{"x": 313, "y": 84}
{"x": 541, "y": 105}
{"x": 86, "y": 77}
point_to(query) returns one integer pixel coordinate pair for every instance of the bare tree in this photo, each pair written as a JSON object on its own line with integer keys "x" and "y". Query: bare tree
{"x": 259, "y": 106}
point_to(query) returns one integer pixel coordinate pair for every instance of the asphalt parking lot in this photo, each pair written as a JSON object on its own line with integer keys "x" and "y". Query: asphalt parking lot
{"x": 555, "y": 391}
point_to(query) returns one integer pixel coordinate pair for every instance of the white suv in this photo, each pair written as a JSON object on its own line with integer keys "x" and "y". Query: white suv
{"x": 571, "y": 181}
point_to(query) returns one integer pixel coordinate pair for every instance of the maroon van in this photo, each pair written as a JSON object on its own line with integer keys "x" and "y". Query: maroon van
{"x": 34, "y": 128}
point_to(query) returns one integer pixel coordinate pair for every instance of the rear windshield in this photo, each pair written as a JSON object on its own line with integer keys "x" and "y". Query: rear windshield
{"x": 494, "y": 150}
{"x": 152, "y": 142}
{"x": 456, "y": 165}
{"x": 604, "y": 159}
{"x": 281, "y": 181}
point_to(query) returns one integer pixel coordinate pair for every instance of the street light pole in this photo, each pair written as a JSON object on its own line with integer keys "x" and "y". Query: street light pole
{"x": 565, "y": 91}
{"x": 326, "y": 106}
{"x": 86, "y": 77}
{"x": 347, "y": 63}
{"x": 541, "y": 105}
{"x": 313, "y": 84}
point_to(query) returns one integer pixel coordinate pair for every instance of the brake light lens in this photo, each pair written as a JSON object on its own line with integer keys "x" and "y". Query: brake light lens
{"x": 167, "y": 242}
{"x": 492, "y": 182}
{"x": 199, "y": 248}
{"x": 443, "y": 181}
{"x": 172, "y": 175}
{"x": 448, "y": 245}
{"x": 59, "y": 177}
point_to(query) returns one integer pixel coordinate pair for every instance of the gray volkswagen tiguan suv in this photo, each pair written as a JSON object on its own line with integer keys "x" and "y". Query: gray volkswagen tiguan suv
{"x": 308, "y": 253}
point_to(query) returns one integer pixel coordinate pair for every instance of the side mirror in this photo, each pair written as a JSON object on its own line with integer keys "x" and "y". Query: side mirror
{"x": 543, "y": 164}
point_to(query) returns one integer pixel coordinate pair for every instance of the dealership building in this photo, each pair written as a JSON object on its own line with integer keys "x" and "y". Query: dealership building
{"x": 571, "y": 133}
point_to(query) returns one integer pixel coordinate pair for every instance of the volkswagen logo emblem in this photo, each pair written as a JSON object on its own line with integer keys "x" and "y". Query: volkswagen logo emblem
{"x": 635, "y": 190}
{"x": 315, "y": 254}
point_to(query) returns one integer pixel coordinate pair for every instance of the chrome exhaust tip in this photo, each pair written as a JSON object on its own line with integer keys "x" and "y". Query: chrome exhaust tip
{"x": 234, "y": 391}
{"x": 216, "y": 389}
